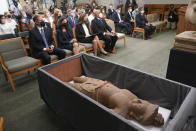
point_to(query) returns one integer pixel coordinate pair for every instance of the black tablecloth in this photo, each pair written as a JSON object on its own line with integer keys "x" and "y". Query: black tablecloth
{"x": 182, "y": 67}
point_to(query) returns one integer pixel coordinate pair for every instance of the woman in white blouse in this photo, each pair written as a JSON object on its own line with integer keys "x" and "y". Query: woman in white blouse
{"x": 10, "y": 21}
{"x": 83, "y": 34}
{"x": 5, "y": 26}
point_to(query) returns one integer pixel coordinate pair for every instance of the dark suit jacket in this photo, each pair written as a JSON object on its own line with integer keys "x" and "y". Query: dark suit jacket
{"x": 36, "y": 41}
{"x": 141, "y": 21}
{"x": 64, "y": 39}
{"x": 128, "y": 17}
{"x": 71, "y": 22}
{"x": 116, "y": 18}
{"x": 110, "y": 12}
{"x": 100, "y": 27}
{"x": 80, "y": 33}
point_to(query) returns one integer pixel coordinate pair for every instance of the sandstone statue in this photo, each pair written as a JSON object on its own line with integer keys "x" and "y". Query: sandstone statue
{"x": 121, "y": 101}
{"x": 191, "y": 12}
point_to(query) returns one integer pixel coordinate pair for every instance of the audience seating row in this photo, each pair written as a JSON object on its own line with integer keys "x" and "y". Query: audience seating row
{"x": 154, "y": 19}
{"x": 15, "y": 59}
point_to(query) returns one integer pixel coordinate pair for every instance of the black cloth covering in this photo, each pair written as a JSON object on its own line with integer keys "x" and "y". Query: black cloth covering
{"x": 182, "y": 67}
{"x": 88, "y": 115}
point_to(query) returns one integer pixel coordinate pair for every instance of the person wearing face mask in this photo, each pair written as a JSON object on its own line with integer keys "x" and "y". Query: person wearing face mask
{"x": 128, "y": 4}
{"x": 129, "y": 17}
{"x": 72, "y": 20}
{"x": 94, "y": 4}
{"x": 5, "y": 28}
{"x": 172, "y": 18}
{"x": 105, "y": 33}
{"x": 28, "y": 8}
{"x": 48, "y": 19}
{"x": 142, "y": 22}
{"x": 110, "y": 11}
{"x": 10, "y": 21}
{"x": 65, "y": 37}
{"x": 83, "y": 34}
{"x": 135, "y": 12}
{"x": 23, "y": 21}
{"x": 16, "y": 8}
{"x": 91, "y": 15}
{"x": 119, "y": 22}
{"x": 42, "y": 42}
{"x": 57, "y": 16}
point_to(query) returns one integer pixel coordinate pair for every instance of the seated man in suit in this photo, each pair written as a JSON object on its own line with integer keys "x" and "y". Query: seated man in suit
{"x": 141, "y": 22}
{"x": 110, "y": 11}
{"x": 42, "y": 42}
{"x": 72, "y": 19}
{"x": 119, "y": 22}
{"x": 105, "y": 33}
{"x": 129, "y": 17}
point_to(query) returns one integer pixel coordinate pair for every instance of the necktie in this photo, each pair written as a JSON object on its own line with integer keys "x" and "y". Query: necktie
{"x": 44, "y": 38}
{"x": 73, "y": 22}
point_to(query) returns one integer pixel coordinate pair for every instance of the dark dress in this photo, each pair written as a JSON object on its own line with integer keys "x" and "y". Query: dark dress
{"x": 80, "y": 34}
{"x": 64, "y": 39}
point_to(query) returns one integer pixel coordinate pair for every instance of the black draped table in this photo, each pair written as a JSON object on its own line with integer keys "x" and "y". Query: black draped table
{"x": 182, "y": 67}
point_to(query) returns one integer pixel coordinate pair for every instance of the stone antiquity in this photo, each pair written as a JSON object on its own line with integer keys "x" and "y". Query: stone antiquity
{"x": 121, "y": 101}
{"x": 191, "y": 12}
{"x": 186, "y": 41}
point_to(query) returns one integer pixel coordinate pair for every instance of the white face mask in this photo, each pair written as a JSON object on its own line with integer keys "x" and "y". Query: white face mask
{"x": 119, "y": 11}
{"x": 23, "y": 21}
{"x": 48, "y": 14}
{"x": 142, "y": 12}
{"x": 100, "y": 15}
{"x": 130, "y": 10}
{"x": 111, "y": 7}
{"x": 3, "y": 21}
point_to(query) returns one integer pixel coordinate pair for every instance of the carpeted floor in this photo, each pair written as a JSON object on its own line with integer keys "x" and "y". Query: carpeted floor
{"x": 23, "y": 110}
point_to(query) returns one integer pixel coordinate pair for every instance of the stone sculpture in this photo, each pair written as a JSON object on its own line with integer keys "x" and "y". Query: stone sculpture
{"x": 191, "y": 12}
{"x": 121, "y": 101}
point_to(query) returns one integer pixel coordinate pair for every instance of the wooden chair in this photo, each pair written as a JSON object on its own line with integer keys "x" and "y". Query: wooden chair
{"x": 121, "y": 36}
{"x": 157, "y": 22}
{"x": 88, "y": 46}
{"x": 14, "y": 58}
{"x": 138, "y": 30}
{"x": 18, "y": 28}
{"x": 1, "y": 123}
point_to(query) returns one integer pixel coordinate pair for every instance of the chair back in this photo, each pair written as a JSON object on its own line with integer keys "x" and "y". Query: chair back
{"x": 24, "y": 34}
{"x": 135, "y": 23}
{"x": 54, "y": 37}
{"x": 150, "y": 18}
{"x": 1, "y": 123}
{"x": 74, "y": 33}
{"x": 111, "y": 24}
{"x": 12, "y": 49}
{"x": 7, "y": 36}
{"x": 166, "y": 15}
{"x": 90, "y": 29}
{"x": 156, "y": 16}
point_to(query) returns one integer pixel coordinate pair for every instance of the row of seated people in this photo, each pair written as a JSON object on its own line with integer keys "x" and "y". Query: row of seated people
{"x": 133, "y": 15}
{"x": 73, "y": 15}
{"x": 42, "y": 43}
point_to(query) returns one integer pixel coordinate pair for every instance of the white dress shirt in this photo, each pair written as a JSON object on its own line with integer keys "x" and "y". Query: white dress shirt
{"x": 90, "y": 18}
{"x": 119, "y": 17}
{"x": 86, "y": 30}
{"x": 40, "y": 30}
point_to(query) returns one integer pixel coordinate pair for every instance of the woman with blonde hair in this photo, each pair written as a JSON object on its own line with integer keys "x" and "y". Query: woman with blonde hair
{"x": 83, "y": 34}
